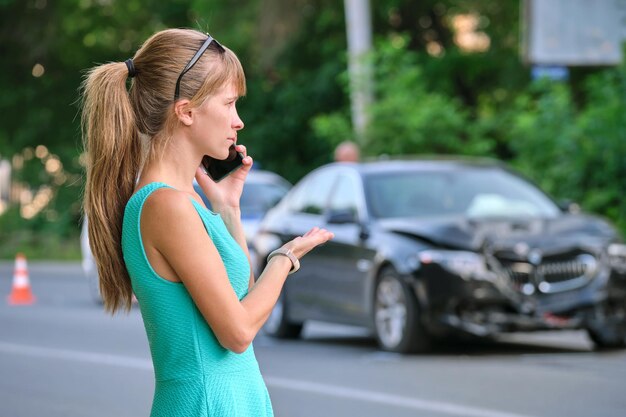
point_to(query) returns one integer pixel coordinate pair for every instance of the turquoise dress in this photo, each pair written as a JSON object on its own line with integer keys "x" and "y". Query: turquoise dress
{"x": 194, "y": 375}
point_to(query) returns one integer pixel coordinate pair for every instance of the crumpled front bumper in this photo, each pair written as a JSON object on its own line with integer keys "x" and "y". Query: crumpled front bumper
{"x": 485, "y": 308}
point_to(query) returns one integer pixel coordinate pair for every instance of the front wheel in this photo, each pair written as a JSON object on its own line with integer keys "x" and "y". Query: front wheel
{"x": 278, "y": 325}
{"x": 607, "y": 329}
{"x": 396, "y": 316}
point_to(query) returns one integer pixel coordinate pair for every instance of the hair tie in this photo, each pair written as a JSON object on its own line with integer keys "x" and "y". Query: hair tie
{"x": 131, "y": 67}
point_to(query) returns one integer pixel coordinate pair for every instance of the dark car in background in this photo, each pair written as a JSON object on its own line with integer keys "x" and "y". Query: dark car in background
{"x": 261, "y": 191}
{"x": 428, "y": 249}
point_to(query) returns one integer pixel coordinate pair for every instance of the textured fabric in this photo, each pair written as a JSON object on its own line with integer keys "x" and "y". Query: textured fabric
{"x": 194, "y": 374}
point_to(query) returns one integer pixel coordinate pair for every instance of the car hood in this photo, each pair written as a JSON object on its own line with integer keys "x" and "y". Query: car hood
{"x": 473, "y": 234}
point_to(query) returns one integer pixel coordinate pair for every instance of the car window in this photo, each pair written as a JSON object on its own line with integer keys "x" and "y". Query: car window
{"x": 311, "y": 195}
{"x": 257, "y": 198}
{"x": 407, "y": 195}
{"x": 468, "y": 192}
{"x": 345, "y": 195}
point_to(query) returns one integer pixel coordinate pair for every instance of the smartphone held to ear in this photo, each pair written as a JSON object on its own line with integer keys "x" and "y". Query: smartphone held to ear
{"x": 219, "y": 169}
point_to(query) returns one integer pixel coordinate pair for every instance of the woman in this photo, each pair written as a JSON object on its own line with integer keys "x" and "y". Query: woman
{"x": 153, "y": 237}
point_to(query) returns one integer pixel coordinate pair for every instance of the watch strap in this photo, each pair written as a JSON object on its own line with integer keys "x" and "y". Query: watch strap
{"x": 295, "y": 263}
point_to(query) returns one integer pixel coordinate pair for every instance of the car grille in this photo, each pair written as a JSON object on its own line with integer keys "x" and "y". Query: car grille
{"x": 518, "y": 272}
{"x": 565, "y": 270}
{"x": 553, "y": 274}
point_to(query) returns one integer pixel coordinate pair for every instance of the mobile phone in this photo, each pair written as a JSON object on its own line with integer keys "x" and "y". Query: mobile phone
{"x": 218, "y": 169}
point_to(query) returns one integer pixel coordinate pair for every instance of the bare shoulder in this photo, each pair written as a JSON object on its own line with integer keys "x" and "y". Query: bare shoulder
{"x": 174, "y": 236}
{"x": 168, "y": 201}
{"x": 167, "y": 211}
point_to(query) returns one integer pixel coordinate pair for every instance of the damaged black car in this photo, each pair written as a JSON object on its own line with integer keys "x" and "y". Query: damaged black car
{"x": 428, "y": 249}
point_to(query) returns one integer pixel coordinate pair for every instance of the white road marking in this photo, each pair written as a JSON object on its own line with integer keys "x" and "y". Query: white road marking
{"x": 275, "y": 382}
{"x": 77, "y": 356}
{"x": 386, "y": 399}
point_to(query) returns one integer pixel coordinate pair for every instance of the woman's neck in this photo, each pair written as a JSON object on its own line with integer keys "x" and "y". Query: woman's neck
{"x": 174, "y": 166}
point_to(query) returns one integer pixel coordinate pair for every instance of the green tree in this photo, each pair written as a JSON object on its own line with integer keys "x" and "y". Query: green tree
{"x": 576, "y": 153}
{"x": 434, "y": 93}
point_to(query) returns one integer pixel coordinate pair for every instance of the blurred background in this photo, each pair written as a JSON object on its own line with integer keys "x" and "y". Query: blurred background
{"x": 538, "y": 84}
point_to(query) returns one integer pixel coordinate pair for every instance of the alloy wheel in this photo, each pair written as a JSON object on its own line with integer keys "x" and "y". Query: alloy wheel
{"x": 390, "y": 312}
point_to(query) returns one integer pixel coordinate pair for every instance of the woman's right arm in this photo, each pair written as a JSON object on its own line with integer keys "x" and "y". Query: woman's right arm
{"x": 175, "y": 237}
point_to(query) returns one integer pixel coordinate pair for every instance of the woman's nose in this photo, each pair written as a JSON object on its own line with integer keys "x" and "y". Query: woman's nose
{"x": 237, "y": 122}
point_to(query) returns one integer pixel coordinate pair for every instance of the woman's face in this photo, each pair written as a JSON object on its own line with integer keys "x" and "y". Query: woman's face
{"x": 218, "y": 122}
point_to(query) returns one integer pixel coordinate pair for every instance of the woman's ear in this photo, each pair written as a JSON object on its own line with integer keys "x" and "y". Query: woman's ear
{"x": 183, "y": 112}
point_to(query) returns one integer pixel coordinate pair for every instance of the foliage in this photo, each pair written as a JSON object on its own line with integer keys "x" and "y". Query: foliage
{"x": 544, "y": 136}
{"x": 432, "y": 96}
{"x": 283, "y": 100}
{"x": 34, "y": 238}
{"x": 603, "y": 146}
{"x": 405, "y": 118}
{"x": 576, "y": 154}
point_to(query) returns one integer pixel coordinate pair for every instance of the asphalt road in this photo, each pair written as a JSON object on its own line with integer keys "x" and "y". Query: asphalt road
{"x": 63, "y": 357}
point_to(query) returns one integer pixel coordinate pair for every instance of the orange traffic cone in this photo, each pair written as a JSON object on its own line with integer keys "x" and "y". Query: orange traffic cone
{"x": 21, "y": 293}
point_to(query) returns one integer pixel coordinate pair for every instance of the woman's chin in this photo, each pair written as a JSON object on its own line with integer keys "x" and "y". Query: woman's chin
{"x": 219, "y": 156}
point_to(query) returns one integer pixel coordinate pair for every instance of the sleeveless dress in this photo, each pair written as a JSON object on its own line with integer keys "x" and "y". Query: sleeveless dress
{"x": 194, "y": 375}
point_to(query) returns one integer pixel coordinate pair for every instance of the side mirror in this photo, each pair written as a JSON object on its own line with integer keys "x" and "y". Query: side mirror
{"x": 569, "y": 206}
{"x": 341, "y": 217}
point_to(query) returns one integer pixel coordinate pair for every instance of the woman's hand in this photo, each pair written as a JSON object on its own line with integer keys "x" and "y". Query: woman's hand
{"x": 302, "y": 245}
{"x": 226, "y": 193}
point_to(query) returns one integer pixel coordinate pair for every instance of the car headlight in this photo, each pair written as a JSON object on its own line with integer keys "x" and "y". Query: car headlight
{"x": 463, "y": 263}
{"x": 617, "y": 257}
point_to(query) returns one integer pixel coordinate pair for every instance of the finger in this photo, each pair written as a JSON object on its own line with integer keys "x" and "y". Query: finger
{"x": 242, "y": 149}
{"x": 318, "y": 237}
{"x": 318, "y": 231}
{"x": 247, "y": 161}
{"x": 325, "y": 237}
{"x": 201, "y": 175}
{"x": 311, "y": 231}
{"x": 205, "y": 182}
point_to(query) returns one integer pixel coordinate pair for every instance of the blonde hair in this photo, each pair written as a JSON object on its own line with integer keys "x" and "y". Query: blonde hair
{"x": 115, "y": 121}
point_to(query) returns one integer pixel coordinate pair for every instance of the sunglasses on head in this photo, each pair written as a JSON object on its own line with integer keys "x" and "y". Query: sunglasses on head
{"x": 193, "y": 61}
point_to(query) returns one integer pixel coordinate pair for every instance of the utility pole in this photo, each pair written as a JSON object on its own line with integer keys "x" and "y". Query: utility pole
{"x": 359, "y": 33}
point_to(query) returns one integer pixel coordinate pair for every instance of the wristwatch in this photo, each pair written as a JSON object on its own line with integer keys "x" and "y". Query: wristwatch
{"x": 295, "y": 263}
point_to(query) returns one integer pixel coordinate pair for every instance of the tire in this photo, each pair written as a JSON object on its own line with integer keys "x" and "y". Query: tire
{"x": 277, "y": 324}
{"x": 397, "y": 316}
{"x": 607, "y": 328}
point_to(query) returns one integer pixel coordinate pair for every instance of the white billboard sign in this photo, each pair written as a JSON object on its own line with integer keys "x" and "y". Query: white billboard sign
{"x": 573, "y": 32}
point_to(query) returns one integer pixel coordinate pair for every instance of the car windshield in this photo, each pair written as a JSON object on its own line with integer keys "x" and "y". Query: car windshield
{"x": 484, "y": 192}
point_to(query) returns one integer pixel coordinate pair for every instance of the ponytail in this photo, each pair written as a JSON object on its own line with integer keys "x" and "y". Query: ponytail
{"x": 114, "y": 155}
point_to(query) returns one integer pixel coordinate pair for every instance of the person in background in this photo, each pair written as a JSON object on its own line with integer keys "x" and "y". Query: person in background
{"x": 152, "y": 236}
{"x": 347, "y": 151}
